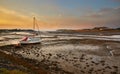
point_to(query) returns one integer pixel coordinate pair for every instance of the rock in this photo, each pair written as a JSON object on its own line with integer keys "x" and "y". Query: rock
{"x": 115, "y": 66}
{"x": 108, "y": 67}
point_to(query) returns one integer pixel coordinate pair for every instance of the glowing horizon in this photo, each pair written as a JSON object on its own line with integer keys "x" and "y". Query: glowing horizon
{"x": 59, "y": 14}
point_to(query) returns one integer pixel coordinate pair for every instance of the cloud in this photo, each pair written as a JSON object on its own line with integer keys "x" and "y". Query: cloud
{"x": 105, "y": 12}
{"x": 11, "y": 15}
{"x": 105, "y": 16}
{"x": 116, "y": 0}
{"x": 12, "y": 12}
{"x": 14, "y": 19}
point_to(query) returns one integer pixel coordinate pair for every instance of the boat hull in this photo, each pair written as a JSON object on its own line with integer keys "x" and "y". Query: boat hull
{"x": 31, "y": 40}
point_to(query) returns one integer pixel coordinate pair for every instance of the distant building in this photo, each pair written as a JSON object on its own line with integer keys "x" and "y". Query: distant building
{"x": 101, "y": 28}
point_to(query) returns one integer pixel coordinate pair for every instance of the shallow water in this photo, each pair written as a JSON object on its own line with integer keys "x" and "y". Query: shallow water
{"x": 13, "y": 38}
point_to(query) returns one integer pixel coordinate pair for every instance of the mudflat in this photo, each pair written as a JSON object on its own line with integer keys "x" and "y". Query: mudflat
{"x": 69, "y": 54}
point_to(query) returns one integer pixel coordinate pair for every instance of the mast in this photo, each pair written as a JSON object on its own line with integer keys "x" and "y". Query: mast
{"x": 33, "y": 23}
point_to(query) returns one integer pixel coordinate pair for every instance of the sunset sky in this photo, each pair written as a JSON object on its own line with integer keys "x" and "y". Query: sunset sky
{"x": 59, "y": 14}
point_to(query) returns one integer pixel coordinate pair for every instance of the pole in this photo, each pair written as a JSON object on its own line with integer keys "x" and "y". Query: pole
{"x": 33, "y": 23}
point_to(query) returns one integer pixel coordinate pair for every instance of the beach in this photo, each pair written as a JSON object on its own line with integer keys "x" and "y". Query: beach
{"x": 66, "y": 53}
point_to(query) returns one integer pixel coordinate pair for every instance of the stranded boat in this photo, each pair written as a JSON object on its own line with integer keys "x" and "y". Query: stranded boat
{"x": 35, "y": 38}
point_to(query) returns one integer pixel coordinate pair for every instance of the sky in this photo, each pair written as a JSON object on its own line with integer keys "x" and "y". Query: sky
{"x": 59, "y": 14}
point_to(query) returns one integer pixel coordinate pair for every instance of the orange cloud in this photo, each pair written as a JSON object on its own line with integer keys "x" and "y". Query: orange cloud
{"x": 12, "y": 19}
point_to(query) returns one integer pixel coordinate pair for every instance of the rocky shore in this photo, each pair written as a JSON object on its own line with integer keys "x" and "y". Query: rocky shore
{"x": 73, "y": 56}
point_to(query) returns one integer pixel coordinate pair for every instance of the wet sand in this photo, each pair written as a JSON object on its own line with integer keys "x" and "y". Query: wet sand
{"x": 16, "y": 62}
{"x": 71, "y": 56}
{"x": 63, "y": 54}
